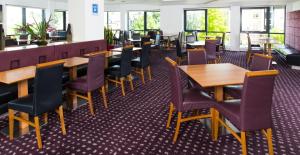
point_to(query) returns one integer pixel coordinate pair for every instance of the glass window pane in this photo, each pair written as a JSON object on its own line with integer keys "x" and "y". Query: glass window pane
{"x": 277, "y": 20}
{"x": 195, "y": 20}
{"x": 33, "y": 15}
{"x": 136, "y": 20}
{"x": 114, "y": 20}
{"x": 218, "y": 19}
{"x": 13, "y": 18}
{"x": 153, "y": 20}
{"x": 278, "y": 37}
{"x": 254, "y": 19}
{"x": 58, "y": 20}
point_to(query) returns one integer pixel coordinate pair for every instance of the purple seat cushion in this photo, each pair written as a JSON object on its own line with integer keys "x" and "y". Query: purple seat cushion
{"x": 231, "y": 111}
{"x": 196, "y": 99}
{"x": 79, "y": 84}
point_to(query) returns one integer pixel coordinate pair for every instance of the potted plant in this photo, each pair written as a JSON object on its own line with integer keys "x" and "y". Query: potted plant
{"x": 38, "y": 31}
{"x": 108, "y": 36}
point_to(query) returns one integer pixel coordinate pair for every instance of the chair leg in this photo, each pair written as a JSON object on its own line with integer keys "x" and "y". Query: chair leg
{"x": 61, "y": 118}
{"x": 122, "y": 86}
{"x": 170, "y": 114}
{"x": 46, "y": 118}
{"x": 177, "y": 127}
{"x": 104, "y": 96}
{"x": 116, "y": 78}
{"x": 106, "y": 85}
{"x": 37, "y": 131}
{"x": 11, "y": 123}
{"x": 149, "y": 72}
{"x": 90, "y": 102}
{"x": 130, "y": 81}
{"x": 212, "y": 112}
{"x": 142, "y": 75}
{"x": 244, "y": 144}
{"x": 270, "y": 144}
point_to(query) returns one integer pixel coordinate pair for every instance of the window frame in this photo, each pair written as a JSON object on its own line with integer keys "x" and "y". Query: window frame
{"x": 64, "y": 19}
{"x": 145, "y": 20}
{"x": 185, "y": 21}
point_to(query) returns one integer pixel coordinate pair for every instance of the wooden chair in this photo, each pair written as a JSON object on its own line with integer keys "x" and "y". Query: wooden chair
{"x": 47, "y": 96}
{"x": 252, "y": 49}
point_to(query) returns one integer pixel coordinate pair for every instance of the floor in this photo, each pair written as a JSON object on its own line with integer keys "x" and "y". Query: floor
{"x": 136, "y": 123}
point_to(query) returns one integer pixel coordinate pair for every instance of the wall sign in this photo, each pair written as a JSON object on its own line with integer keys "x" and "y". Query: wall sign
{"x": 95, "y": 9}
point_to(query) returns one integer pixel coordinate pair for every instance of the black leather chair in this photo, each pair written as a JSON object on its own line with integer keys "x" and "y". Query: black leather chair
{"x": 142, "y": 62}
{"x": 118, "y": 73}
{"x": 180, "y": 52}
{"x": 47, "y": 97}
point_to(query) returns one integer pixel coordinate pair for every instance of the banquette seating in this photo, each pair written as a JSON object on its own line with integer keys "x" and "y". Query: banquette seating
{"x": 35, "y": 55}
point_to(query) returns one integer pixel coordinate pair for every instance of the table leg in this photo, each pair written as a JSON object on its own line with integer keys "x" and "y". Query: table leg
{"x": 73, "y": 76}
{"x": 219, "y": 98}
{"x": 269, "y": 49}
{"x": 23, "y": 91}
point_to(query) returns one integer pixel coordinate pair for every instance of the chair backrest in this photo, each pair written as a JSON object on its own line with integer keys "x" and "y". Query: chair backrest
{"x": 219, "y": 40}
{"x": 223, "y": 39}
{"x": 178, "y": 48}
{"x": 196, "y": 56}
{"x": 95, "y": 72}
{"x": 152, "y": 34}
{"x": 175, "y": 81}
{"x": 47, "y": 94}
{"x": 190, "y": 39}
{"x": 256, "y": 102}
{"x": 260, "y": 62}
{"x": 195, "y": 34}
{"x": 249, "y": 41}
{"x": 126, "y": 57}
{"x": 126, "y": 35}
{"x": 145, "y": 39}
{"x": 136, "y": 36}
{"x": 145, "y": 59}
{"x": 211, "y": 48}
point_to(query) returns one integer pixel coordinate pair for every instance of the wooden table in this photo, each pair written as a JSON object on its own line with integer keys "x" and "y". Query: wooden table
{"x": 20, "y": 76}
{"x": 108, "y": 54}
{"x": 197, "y": 44}
{"x": 267, "y": 42}
{"x": 121, "y": 48}
{"x": 216, "y": 75}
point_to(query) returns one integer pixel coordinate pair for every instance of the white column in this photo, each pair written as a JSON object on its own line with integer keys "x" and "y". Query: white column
{"x": 171, "y": 19}
{"x": 86, "y": 25}
{"x": 235, "y": 18}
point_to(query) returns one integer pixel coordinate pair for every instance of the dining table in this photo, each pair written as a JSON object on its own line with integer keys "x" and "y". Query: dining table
{"x": 267, "y": 42}
{"x": 169, "y": 36}
{"x": 216, "y": 76}
{"x": 196, "y": 44}
{"x": 119, "y": 49}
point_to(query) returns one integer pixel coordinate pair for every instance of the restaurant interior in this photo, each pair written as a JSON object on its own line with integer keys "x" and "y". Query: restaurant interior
{"x": 169, "y": 77}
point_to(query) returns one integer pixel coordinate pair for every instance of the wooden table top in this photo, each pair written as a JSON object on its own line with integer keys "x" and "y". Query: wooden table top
{"x": 107, "y": 53}
{"x": 16, "y": 75}
{"x": 121, "y": 48}
{"x": 212, "y": 75}
{"x": 75, "y": 61}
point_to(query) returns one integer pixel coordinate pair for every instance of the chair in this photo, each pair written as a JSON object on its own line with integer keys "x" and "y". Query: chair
{"x": 195, "y": 34}
{"x": 196, "y": 56}
{"x": 145, "y": 39}
{"x": 211, "y": 51}
{"x": 185, "y": 100}
{"x": 118, "y": 73}
{"x": 92, "y": 81}
{"x": 190, "y": 39}
{"x": 259, "y": 62}
{"x": 252, "y": 49}
{"x": 152, "y": 34}
{"x": 180, "y": 52}
{"x": 142, "y": 62}
{"x": 222, "y": 45}
{"x": 47, "y": 96}
{"x": 253, "y": 112}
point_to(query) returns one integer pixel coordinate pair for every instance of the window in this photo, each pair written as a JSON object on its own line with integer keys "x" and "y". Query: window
{"x": 143, "y": 20}
{"x": 33, "y": 15}
{"x": 195, "y": 20}
{"x": 112, "y": 20}
{"x": 254, "y": 20}
{"x": 14, "y": 18}
{"x": 153, "y": 20}
{"x": 263, "y": 23}
{"x": 59, "y": 20}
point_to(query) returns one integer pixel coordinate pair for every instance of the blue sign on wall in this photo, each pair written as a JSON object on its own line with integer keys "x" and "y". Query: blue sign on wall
{"x": 95, "y": 9}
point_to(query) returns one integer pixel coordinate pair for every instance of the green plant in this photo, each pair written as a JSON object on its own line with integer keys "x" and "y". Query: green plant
{"x": 38, "y": 31}
{"x": 108, "y": 35}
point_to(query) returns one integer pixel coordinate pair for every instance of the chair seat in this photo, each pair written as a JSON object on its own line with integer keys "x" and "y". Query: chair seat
{"x": 234, "y": 91}
{"x": 79, "y": 84}
{"x": 196, "y": 99}
{"x": 23, "y": 104}
{"x": 114, "y": 60}
{"x": 231, "y": 110}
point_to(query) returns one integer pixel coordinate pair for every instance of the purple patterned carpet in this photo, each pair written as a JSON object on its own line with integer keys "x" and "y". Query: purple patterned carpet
{"x": 135, "y": 124}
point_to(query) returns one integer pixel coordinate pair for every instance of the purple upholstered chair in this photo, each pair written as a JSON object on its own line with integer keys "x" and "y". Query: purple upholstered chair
{"x": 184, "y": 100}
{"x": 180, "y": 52}
{"x": 196, "y": 56}
{"x": 254, "y": 110}
{"x": 91, "y": 82}
{"x": 211, "y": 50}
{"x": 259, "y": 62}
